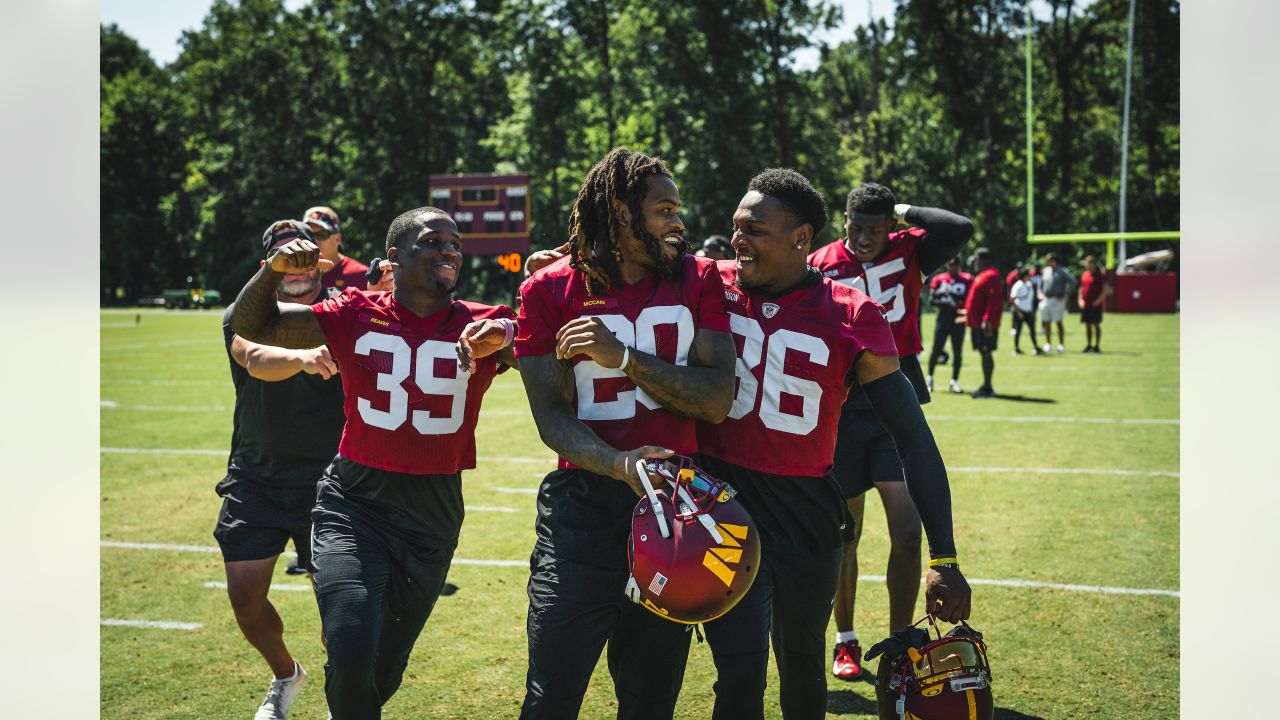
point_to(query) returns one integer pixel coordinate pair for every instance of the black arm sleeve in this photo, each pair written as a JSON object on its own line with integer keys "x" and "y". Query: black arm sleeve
{"x": 947, "y": 234}
{"x": 895, "y": 404}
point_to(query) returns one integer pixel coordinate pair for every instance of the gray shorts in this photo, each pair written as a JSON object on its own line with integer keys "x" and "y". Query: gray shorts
{"x": 1053, "y": 309}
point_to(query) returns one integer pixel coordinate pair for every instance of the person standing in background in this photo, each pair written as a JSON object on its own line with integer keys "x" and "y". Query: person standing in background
{"x": 1022, "y": 296}
{"x": 1095, "y": 288}
{"x": 346, "y": 272}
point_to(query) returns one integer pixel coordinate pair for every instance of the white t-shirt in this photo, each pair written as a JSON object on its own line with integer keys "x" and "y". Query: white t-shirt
{"x": 1023, "y": 295}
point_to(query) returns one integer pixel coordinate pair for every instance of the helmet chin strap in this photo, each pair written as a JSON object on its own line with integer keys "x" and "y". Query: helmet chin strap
{"x": 658, "y": 513}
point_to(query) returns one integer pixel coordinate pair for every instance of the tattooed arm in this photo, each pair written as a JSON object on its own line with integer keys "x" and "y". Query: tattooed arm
{"x": 702, "y": 390}
{"x": 260, "y": 318}
{"x": 549, "y": 385}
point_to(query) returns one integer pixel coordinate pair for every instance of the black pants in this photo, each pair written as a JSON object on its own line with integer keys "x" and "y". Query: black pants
{"x": 790, "y": 602}
{"x": 376, "y": 586}
{"x": 578, "y": 576}
{"x": 1021, "y": 318}
{"x": 947, "y": 327}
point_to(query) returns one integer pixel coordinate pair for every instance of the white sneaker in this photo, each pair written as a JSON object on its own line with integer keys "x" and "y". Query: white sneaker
{"x": 955, "y": 387}
{"x": 928, "y": 383}
{"x": 1047, "y": 347}
{"x": 1061, "y": 349}
{"x": 280, "y": 696}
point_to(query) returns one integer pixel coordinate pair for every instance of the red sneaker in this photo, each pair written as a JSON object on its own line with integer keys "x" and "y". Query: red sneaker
{"x": 848, "y": 661}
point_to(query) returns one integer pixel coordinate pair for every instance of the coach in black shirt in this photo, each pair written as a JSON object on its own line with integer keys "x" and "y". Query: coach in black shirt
{"x": 288, "y": 420}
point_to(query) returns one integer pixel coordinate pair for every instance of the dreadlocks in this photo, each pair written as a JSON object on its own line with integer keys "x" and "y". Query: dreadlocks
{"x": 594, "y": 225}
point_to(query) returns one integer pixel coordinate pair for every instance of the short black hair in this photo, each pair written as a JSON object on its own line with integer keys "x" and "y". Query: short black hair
{"x": 405, "y": 221}
{"x": 870, "y": 198}
{"x": 796, "y": 194}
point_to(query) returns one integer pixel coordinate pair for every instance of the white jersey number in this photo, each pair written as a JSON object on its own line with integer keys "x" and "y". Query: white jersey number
{"x": 423, "y": 376}
{"x": 641, "y": 335}
{"x": 890, "y": 297}
{"x": 776, "y": 380}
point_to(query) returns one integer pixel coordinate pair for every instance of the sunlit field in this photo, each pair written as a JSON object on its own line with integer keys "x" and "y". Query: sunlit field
{"x": 1065, "y": 494}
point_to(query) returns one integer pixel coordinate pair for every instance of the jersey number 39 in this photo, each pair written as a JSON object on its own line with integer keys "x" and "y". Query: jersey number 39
{"x": 423, "y": 376}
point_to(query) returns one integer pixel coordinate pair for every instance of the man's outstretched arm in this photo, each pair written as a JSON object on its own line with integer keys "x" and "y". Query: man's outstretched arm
{"x": 258, "y": 317}
{"x": 894, "y": 401}
{"x": 947, "y": 232}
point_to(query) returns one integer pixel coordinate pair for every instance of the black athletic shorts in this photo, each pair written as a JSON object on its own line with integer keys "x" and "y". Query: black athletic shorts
{"x": 865, "y": 453}
{"x": 1092, "y": 315}
{"x": 256, "y": 520}
{"x": 982, "y": 341}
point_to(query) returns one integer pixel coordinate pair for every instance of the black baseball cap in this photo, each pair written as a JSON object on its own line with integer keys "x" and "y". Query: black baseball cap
{"x": 285, "y": 230}
{"x": 982, "y": 253}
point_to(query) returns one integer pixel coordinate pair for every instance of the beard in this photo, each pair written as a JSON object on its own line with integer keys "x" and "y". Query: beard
{"x": 294, "y": 288}
{"x": 667, "y": 268}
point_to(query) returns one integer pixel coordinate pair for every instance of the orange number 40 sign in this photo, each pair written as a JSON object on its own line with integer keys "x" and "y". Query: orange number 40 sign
{"x": 511, "y": 262}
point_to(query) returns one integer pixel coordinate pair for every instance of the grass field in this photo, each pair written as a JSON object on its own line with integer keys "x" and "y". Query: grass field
{"x": 1066, "y": 507}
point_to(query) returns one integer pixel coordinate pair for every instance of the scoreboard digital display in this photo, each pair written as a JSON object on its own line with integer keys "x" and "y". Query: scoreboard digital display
{"x": 492, "y": 212}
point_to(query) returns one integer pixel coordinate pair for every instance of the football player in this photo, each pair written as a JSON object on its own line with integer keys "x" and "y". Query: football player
{"x": 947, "y": 291}
{"x": 287, "y": 421}
{"x": 890, "y": 267}
{"x": 623, "y": 344}
{"x": 389, "y": 506}
{"x": 803, "y": 340}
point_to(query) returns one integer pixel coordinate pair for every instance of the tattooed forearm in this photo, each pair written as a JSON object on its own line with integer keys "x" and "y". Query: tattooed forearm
{"x": 258, "y": 317}
{"x": 549, "y": 384}
{"x": 703, "y": 390}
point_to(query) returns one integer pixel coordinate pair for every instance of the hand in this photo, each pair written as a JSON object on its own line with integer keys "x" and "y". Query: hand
{"x": 318, "y": 361}
{"x": 625, "y": 468}
{"x": 589, "y": 336}
{"x": 543, "y": 258}
{"x": 1080, "y": 304}
{"x": 962, "y": 315}
{"x": 297, "y": 256}
{"x": 386, "y": 283}
{"x": 481, "y": 338}
{"x": 986, "y": 327}
{"x": 947, "y": 595}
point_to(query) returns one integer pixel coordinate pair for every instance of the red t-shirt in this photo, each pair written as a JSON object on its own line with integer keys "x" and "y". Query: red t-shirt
{"x": 947, "y": 290}
{"x": 794, "y": 355}
{"x": 1012, "y": 277}
{"x": 986, "y": 299}
{"x": 346, "y": 273}
{"x": 409, "y": 409}
{"x": 895, "y": 281}
{"x": 1091, "y": 286}
{"x": 653, "y": 315}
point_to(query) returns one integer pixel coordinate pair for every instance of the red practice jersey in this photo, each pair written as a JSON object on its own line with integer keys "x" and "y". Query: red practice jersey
{"x": 346, "y": 273}
{"x": 794, "y": 356}
{"x": 986, "y": 299}
{"x": 949, "y": 290}
{"x": 653, "y": 315}
{"x": 409, "y": 409}
{"x": 1091, "y": 286}
{"x": 893, "y": 280}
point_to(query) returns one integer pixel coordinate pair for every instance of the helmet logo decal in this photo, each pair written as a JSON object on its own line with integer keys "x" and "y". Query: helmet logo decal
{"x": 716, "y": 558}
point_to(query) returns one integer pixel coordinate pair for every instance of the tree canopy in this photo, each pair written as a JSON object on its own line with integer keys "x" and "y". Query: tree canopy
{"x": 267, "y": 111}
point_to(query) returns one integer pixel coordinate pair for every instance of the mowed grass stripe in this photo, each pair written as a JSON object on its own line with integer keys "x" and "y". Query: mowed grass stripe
{"x": 1034, "y": 584}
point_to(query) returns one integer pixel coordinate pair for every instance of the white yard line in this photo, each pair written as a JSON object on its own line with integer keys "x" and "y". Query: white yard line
{"x": 113, "y": 405}
{"x": 527, "y": 490}
{"x": 1060, "y": 471}
{"x": 156, "y": 624}
{"x": 292, "y": 587}
{"x": 161, "y": 451}
{"x": 1096, "y": 589}
{"x": 488, "y": 508}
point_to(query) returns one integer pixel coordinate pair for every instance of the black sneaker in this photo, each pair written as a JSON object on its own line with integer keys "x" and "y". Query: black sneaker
{"x": 293, "y": 569}
{"x": 983, "y": 393}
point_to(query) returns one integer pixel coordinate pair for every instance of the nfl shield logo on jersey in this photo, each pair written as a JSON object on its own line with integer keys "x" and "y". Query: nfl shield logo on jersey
{"x": 769, "y": 309}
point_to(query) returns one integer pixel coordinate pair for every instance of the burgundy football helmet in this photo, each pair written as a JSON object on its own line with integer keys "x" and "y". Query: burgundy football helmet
{"x": 946, "y": 677}
{"x": 693, "y": 551}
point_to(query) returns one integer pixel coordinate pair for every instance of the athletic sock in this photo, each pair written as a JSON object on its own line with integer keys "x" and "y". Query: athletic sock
{"x": 844, "y": 636}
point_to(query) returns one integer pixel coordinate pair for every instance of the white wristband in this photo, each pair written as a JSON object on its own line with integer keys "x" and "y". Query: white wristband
{"x": 509, "y": 326}
{"x": 626, "y": 357}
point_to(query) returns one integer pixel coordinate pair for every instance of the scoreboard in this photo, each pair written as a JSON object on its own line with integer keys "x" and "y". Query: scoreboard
{"x": 492, "y": 213}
